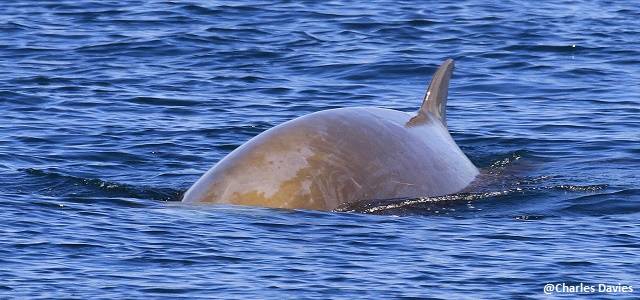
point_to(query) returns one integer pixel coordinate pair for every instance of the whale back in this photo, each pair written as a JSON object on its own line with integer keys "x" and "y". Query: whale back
{"x": 332, "y": 157}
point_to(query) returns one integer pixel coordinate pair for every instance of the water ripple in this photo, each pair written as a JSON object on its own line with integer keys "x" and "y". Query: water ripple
{"x": 111, "y": 109}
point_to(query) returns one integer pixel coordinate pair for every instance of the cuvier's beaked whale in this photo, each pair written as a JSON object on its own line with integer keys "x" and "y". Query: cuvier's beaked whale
{"x": 340, "y": 156}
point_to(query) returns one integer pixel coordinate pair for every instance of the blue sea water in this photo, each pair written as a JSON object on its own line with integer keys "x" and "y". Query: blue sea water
{"x": 112, "y": 109}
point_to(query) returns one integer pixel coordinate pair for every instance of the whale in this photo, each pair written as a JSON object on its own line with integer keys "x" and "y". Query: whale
{"x": 336, "y": 157}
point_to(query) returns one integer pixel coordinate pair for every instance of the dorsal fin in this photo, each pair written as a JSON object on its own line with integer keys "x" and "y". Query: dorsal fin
{"x": 435, "y": 100}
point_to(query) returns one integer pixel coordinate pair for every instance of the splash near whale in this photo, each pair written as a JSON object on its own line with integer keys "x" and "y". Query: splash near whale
{"x": 340, "y": 156}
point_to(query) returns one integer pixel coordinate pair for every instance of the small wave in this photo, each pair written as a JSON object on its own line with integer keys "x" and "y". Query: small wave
{"x": 455, "y": 202}
{"x": 548, "y": 48}
{"x": 201, "y": 10}
{"x": 156, "y": 101}
{"x": 421, "y": 22}
{"x": 529, "y": 217}
{"x": 581, "y": 188}
{"x": 57, "y": 184}
{"x": 618, "y": 202}
{"x": 425, "y": 205}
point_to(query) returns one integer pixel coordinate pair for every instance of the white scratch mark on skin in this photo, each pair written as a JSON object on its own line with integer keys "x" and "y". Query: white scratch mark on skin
{"x": 356, "y": 183}
{"x": 403, "y": 183}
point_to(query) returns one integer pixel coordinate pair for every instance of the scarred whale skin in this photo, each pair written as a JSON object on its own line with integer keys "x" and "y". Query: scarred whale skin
{"x": 328, "y": 158}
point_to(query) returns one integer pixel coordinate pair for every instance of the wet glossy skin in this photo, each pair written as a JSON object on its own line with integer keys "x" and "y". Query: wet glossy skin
{"x": 337, "y": 156}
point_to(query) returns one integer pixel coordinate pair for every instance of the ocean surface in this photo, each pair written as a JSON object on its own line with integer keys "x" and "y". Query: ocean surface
{"x": 110, "y": 110}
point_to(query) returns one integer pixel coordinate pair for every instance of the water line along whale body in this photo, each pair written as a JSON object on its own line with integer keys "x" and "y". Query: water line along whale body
{"x": 339, "y": 156}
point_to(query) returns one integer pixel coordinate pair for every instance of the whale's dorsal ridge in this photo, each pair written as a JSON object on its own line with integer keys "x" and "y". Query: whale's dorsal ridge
{"x": 435, "y": 100}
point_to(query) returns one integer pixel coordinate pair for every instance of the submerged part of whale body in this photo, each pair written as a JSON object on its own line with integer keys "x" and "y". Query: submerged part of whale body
{"x": 332, "y": 157}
